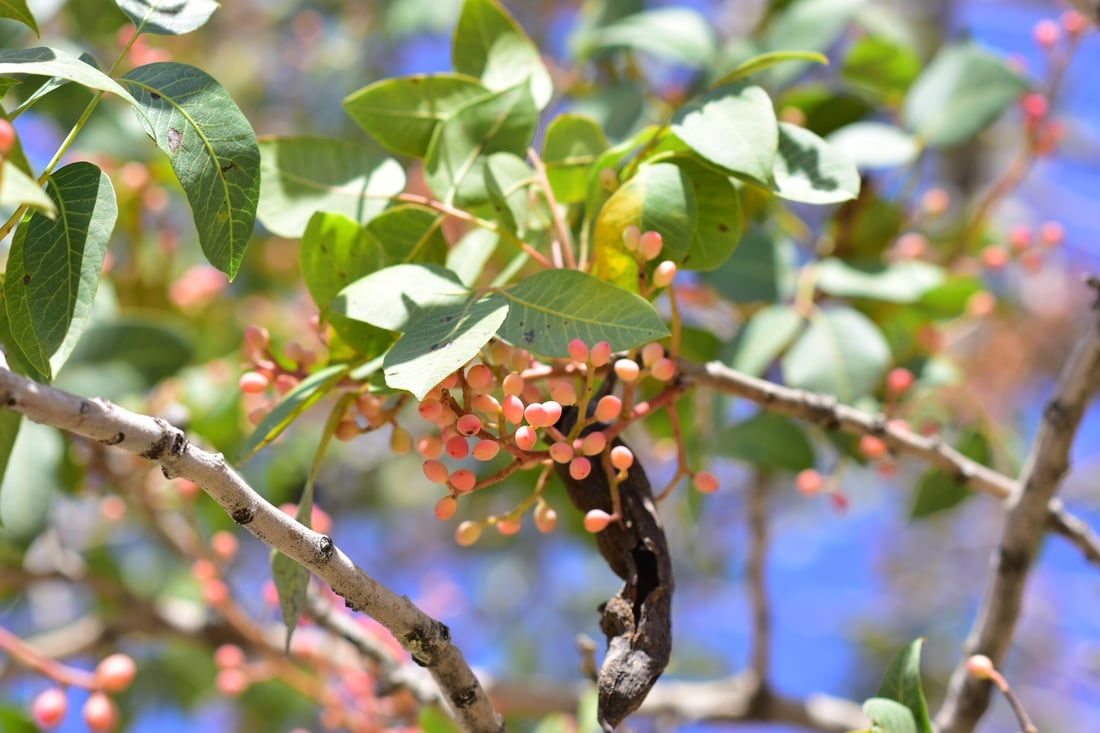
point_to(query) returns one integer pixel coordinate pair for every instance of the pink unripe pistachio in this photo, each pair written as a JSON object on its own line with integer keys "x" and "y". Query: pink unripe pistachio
{"x": 430, "y": 409}
{"x": 100, "y": 713}
{"x": 578, "y": 351}
{"x": 1051, "y": 233}
{"x": 651, "y": 353}
{"x": 809, "y": 481}
{"x": 369, "y": 405}
{"x": 580, "y": 467}
{"x": 115, "y": 673}
{"x": 435, "y": 472}
{"x": 510, "y": 525}
{"x": 873, "y": 447}
{"x": 627, "y": 370}
{"x": 608, "y": 408}
{"x": 519, "y": 360}
{"x": 49, "y": 708}
{"x": 553, "y": 411}
{"x": 561, "y": 452}
{"x": 285, "y": 382}
{"x": 1075, "y": 23}
{"x": 253, "y": 382}
{"x": 899, "y": 381}
{"x": 600, "y": 354}
{"x": 632, "y": 235}
{"x": 499, "y": 352}
{"x": 463, "y": 480}
{"x": 663, "y": 369}
{"x": 450, "y": 381}
{"x": 256, "y": 339}
{"x": 479, "y": 376}
{"x": 468, "y": 533}
{"x": 445, "y": 508}
{"x": 232, "y": 682}
{"x": 347, "y": 430}
{"x": 227, "y": 656}
{"x": 980, "y": 666}
{"x": 593, "y": 443}
{"x": 1046, "y": 33}
{"x": 545, "y": 518}
{"x": 469, "y": 425}
{"x": 536, "y": 415}
{"x": 512, "y": 407}
{"x": 215, "y": 593}
{"x": 224, "y": 545}
{"x": 935, "y": 201}
{"x": 526, "y": 437}
{"x": 430, "y": 446}
{"x": 650, "y": 245}
{"x": 457, "y": 447}
{"x": 7, "y": 136}
{"x": 596, "y": 520}
{"x": 486, "y": 450}
{"x": 563, "y": 392}
{"x": 705, "y": 482}
{"x": 400, "y": 441}
{"x": 1035, "y": 107}
{"x": 486, "y": 404}
{"x": 513, "y": 384}
{"x": 664, "y": 274}
{"x": 609, "y": 179}
{"x": 532, "y": 392}
{"x": 621, "y": 457}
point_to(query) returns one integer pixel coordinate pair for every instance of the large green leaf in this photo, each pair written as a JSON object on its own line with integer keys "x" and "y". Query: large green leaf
{"x": 678, "y": 35}
{"x": 874, "y": 145}
{"x": 19, "y": 189}
{"x": 213, "y": 151}
{"x": 54, "y": 265}
{"x": 503, "y": 122}
{"x": 553, "y": 307}
{"x": 716, "y": 224}
{"x": 734, "y": 127}
{"x": 490, "y": 45}
{"x": 508, "y": 180}
{"x": 402, "y": 114}
{"x": 899, "y": 282}
{"x": 960, "y": 93}
{"x": 841, "y": 353}
{"x": 30, "y": 482}
{"x": 41, "y": 61}
{"x": 902, "y": 683}
{"x": 410, "y": 234}
{"x": 764, "y": 337}
{"x": 761, "y": 270}
{"x": 882, "y": 67}
{"x": 18, "y": 10}
{"x": 168, "y": 17}
{"x": 151, "y": 349}
{"x": 294, "y": 403}
{"x": 939, "y": 491}
{"x": 807, "y": 25}
{"x": 573, "y": 142}
{"x": 809, "y": 170}
{"x": 769, "y": 441}
{"x": 302, "y": 175}
{"x": 889, "y": 716}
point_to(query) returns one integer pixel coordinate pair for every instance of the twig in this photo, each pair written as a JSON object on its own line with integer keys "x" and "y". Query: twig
{"x": 1029, "y": 512}
{"x": 824, "y": 410}
{"x": 757, "y": 578}
{"x": 425, "y": 638}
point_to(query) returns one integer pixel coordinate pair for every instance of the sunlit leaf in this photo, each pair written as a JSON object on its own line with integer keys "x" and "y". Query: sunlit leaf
{"x": 889, "y": 716}
{"x": 294, "y": 403}
{"x": 764, "y": 337}
{"x": 18, "y": 189}
{"x": 677, "y": 35}
{"x": 902, "y": 683}
{"x": 875, "y": 145}
{"x": 41, "y": 61}
{"x": 18, "y": 10}
{"x": 734, "y": 127}
{"x": 573, "y": 142}
{"x": 168, "y": 17}
{"x": 212, "y": 149}
{"x": 898, "y": 282}
{"x": 841, "y": 353}
{"x": 490, "y": 45}
{"x": 809, "y": 170}
{"x": 769, "y": 59}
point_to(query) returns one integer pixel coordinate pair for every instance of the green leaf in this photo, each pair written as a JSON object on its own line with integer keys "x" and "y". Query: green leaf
{"x": 30, "y": 482}
{"x": 14, "y": 720}
{"x": 41, "y": 61}
{"x": 888, "y": 716}
{"x": 875, "y": 145}
{"x": 433, "y": 720}
{"x": 294, "y": 403}
{"x": 573, "y": 142}
{"x": 410, "y": 234}
{"x": 213, "y": 151}
{"x": 291, "y": 585}
{"x": 678, "y": 35}
{"x": 403, "y": 114}
{"x": 468, "y": 256}
{"x": 502, "y": 122}
{"x": 734, "y": 127}
{"x": 761, "y": 270}
{"x": 900, "y": 282}
{"x": 902, "y": 683}
{"x": 767, "y": 60}
{"x": 809, "y": 170}
{"x": 553, "y": 307}
{"x": 938, "y": 491}
{"x": 444, "y": 325}
{"x": 769, "y": 441}
{"x": 950, "y": 298}
{"x": 808, "y": 25}
{"x": 9, "y": 430}
{"x": 18, "y": 10}
{"x": 764, "y": 337}
{"x": 841, "y": 353}
{"x": 490, "y": 45}
{"x": 54, "y": 265}
{"x": 168, "y": 17}
{"x": 154, "y": 350}
{"x": 960, "y": 93}
{"x": 17, "y": 189}
{"x": 716, "y": 223}
{"x": 882, "y": 67}
{"x": 508, "y": 180}
{"x": 302, "y": 175}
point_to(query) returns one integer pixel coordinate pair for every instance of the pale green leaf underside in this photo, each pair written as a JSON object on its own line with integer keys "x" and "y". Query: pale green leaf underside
{"x": 168, "y": 17}
{"x": 734, "y": 127}
{"x": 293, "y": 404}
{"x": 42, "y": 61}
{"x": 841, "y": 353}
{"x": 490, "y": 45}
{"x": 764, "y": 337}
{"x": 30, "y": 482}
{"x": 875, "y": 145}
{"x": 17, "y": 189}
{"x": 901, "y": 282}
{"x": 809, "y": 170}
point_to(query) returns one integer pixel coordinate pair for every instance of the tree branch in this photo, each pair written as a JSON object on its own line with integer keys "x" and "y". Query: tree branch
{"x": 425, "y": 638}
{"x": 1029, "y": 511}
{"x": 824, "y": 410}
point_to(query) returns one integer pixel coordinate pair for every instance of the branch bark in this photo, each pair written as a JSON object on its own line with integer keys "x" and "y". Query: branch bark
{"x": 425, "y": 638}
{"x": 1029, "y": 511}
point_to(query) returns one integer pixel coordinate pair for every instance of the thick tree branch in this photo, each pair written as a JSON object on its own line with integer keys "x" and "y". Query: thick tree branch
{"x": 825, "y": 410}
{"x": 425, "y": 638}
{"x": 1028, "y": 516}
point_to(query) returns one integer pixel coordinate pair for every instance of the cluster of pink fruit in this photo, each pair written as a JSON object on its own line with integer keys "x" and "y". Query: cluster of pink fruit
{"x": 113, "y": 675}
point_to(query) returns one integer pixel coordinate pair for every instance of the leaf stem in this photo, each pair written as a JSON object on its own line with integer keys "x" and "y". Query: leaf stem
{"x": 564, "y": 240}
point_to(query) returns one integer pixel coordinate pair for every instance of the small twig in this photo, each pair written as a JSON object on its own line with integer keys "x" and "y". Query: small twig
{"x": 757, "y": 578}
{"x": 564, "y": 238}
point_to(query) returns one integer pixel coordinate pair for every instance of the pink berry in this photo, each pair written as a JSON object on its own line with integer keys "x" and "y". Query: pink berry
{"x": 526, "y": 437}
{"x": 463, "y": 480}
{"x": 600, "y": 354}
{"x": 663, "y": 369}
{"x": 1035, "y": 106}
{"x": 561, "y": 452}
{"x": 579, "y": 468}
{"x": 227, "y": 656}
{"x": 479, "y": 376}
{"x": 1020, "y": 237}
{"x": 430, "y": 409}
{"x": 578, "y": 351}
{"x": 664, "y": 274}
{"x": 7, "y": 136}
{"x": 430, "y": 446}
{"x": 449, "y": 382}
{"x": 445, "y": 508}
{"x": 511, "y": 526}
{"x": 1075, "y": 23}
{"x": 536, "y": 415}
{"x": 935, "y": 201}
{"x": 486, "y": 450}
{"x": 651, "y": 353}
{"x": 487, "y": 405}
{"x": 809, "y": 481}
{"x": 435, "y": 472}
{"x": 608, "y": 408}
{"x": 252, "y": 382}
{"x": 545, "y": 518}
{"x": 468, "y": 533}
{"x": 650, "y": 245}
{"x": 873, "y": 447}
{"x": 116, "y": 672}
{"x": 513, "y": 384}
{"x": 621, "y": 457}
{"x": 632, "y": 235}
{"x": 50, "y": 707}
{"x": 627, "y": 370}
{"x": 1046, "y": 33}
{"x": 563, "y": 392}
{"x": 911, "y": 246}
{"x": 224, "y": 545}
{"x": 457, "y": 447}
{"x": 469, "y": 425}
{"x": 980, "y": 666}
{"x": 347, "y": 430}
{"x": 100, "y": 713}
{"x": 1052, "y": 234}
{"x": 705, "y": 482}
{"x": 256, "y": 339}
{"x": 553, "y": 411}
{"x": 596, "y": 520}
{"x": 215, "y": 593}
{"x": 232, "y": 682}
{"x": 519, "y": 360}
{"x": 593, "y": 443}
{"x": 513, "y": 409}
{"x": 899, "y": 381}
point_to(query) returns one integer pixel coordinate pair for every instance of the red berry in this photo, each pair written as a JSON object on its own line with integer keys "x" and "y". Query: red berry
{"x": 224, "y": 545}
{"x": 600, "y": 354}
{"x": 430, "y": 446}
{"x": 536, "y": 415}
{"x": 469, "y": 425}
{"x": 650, "y": 245}
{"x": 935, "y": 201}
{"x": 809, "y": 481}
{"x": 621, "y": 457}
{"x": 232, "y": 682}
{"x": 1052, "y": 234}
{"x": 608, "y": 408}
{"x": 663, "y": 369}
{"x": 513, "y": 384}
{"x": 1046, "y": 33}
{"x": 564, "y": 393}
{"x": 486, "y": 450}
{"x": 430, "y": 409}
{"x": 553, "y": 411}
{"x": 435, "y": 472}
{"x": 578, "y": 351}
{"x": 7, "y": 136}
{"x": 596, "y": 520}
{"x": 116, "y": 672}
{"x": 508, "y": 527}
{"x": 463, "y": 480}
{"x": 479, "y": 376}
{"x": 100, "y": 713}
{"x": 227, "y": 656}
{"x": 50, "y": 707}
{"x": 1035, "y": 106}
{"x": 652, "y": 353}
{"x": 513, "y": 409}
{"x": 664, "y": 274}
{"x": 995, "y": 258}
{"x": 899, "y": 381}
{"x": 706, "y": 482}
{"x": 1075, "y": 23}
{"x": 872, "y": 447}
{"x": 561, "y": 452}
{"x": 579, "y": 468}
{"x": 445, "y": 508}
{"x": 253, "y": 383}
